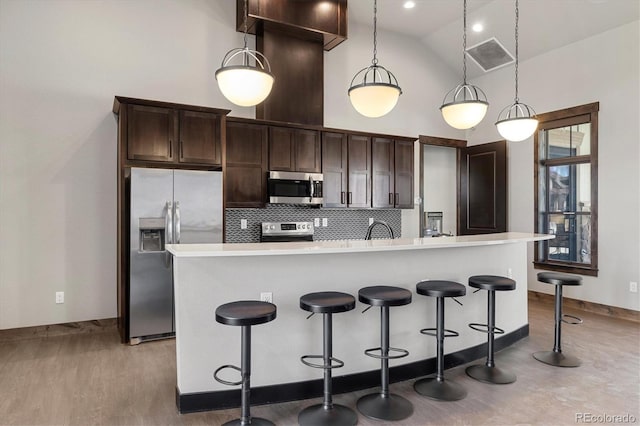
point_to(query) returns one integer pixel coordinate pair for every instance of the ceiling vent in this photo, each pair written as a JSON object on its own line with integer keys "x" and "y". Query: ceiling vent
{"x": 490, "y": 55}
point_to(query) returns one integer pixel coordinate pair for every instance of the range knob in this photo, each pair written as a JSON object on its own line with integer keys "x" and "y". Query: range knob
{"x": 272, "y": 227}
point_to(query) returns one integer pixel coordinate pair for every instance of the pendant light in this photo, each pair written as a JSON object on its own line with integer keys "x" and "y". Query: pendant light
{"x": 374, "y": 90}
{"x": 517, "y": 122}
{"x": 465, "y": 105}
{"x": 247, "y": 83}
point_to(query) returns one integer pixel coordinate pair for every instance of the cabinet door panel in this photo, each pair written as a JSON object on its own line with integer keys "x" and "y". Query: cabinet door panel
{"x": 281, "y": 149}
{"x": 151, "y": 133}
{"x": 245, "y": 176}
{"x": 334, "y": 169}
{"x": 359, "y": 194}
{"x": 199, "y": 138}
{"x": 404, "y": 174}
{"x": 307, "y": 151}
{"x": 382, "y": 155}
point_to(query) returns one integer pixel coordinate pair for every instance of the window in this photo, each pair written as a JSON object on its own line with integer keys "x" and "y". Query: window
{"x": 566, "y": 189}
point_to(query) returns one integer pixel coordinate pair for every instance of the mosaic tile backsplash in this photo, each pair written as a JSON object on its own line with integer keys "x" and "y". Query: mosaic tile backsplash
{"x": 343, "y": 224}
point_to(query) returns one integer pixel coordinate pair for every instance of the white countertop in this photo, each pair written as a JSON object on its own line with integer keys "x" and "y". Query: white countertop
{"x": 349, "y": 246}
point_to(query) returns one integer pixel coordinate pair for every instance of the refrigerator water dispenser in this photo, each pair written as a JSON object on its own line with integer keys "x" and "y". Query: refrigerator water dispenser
{"x": 152, "y": 234}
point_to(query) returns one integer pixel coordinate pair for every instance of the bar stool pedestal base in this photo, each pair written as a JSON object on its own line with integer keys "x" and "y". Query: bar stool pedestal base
{"x": 255, "y": 421}
{"x": 392, "y": 407}
{"x": 557, "y": 359}
{"x": 440, "y": 390}
{"x": 493, "y": 375}
{"x": 317, "y": 415}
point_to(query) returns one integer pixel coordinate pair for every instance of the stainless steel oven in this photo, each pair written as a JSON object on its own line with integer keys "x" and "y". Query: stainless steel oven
{"x": 295, "y": 188}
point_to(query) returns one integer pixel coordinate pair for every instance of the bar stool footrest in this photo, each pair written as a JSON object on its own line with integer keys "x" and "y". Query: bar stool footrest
{"x": 433, "y": 332}
{"x": 484, "y": 328}
{"x": 226, "y": 382}
{"x": 338, "y": 363}
{"x": 576, "y": 320}
{"x": 402, "y": 353}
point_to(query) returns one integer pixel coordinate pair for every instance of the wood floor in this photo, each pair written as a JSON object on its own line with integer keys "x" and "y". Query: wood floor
{"x": 91, "y": 379}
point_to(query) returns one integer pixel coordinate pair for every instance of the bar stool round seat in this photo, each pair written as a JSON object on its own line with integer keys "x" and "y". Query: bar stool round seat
{"x": 489, "y": 373}
{"x": 437, "y": 387}
{"x": 327, "y": 413}
{"x": 244, "y": 313}
{"x": 385, "y": 405}
{"x": 556, "y": 357}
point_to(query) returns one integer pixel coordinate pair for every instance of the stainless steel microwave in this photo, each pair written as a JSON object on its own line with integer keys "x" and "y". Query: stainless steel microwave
{"x": 295, "y": 188}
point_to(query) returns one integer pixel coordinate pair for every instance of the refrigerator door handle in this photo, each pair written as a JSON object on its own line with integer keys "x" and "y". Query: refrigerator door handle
{"x": 168, "y": 225}
{"x": 177, "y": 222}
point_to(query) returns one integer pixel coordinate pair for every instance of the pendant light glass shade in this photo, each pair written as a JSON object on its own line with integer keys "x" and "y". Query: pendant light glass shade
{"x": 465, "y": 105}
{"x": 374, "y": 91}
{"x": 377, "y": 94}
{"x": 517, "y": 122}
{"x": 249, "y": 81}
{"x": 245, "y": 85}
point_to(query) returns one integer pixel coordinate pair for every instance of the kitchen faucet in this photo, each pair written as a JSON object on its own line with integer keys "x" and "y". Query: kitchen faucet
{"x": 373, "y": 225}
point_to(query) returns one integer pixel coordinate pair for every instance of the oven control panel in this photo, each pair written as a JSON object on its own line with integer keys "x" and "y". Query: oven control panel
{"x": 287, "y": 228}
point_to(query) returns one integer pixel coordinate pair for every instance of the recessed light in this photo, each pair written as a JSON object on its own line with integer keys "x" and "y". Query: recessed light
{"x": 409, "y": 4}
{"x": 477, "y": 27}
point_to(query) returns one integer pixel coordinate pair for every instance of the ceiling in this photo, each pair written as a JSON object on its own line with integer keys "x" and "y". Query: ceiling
{"x": 544, "y": 24}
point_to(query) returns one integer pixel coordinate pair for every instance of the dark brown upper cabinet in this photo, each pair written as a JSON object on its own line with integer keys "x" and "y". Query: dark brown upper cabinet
{"x": 246, "y": 162}
{"x": 295, "y": 150}
{"x": 359, "y": 168}
{"x": 176, "y": 135}
{"x": 327, "y": 18}
{"x": 334, "y": 169}
{"x": 392, "y": 173}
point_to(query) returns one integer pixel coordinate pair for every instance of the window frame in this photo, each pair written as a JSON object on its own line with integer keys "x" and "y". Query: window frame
{"x": 581, "y": 114}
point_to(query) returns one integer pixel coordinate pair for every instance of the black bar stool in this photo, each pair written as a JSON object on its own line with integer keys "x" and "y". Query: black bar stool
{"x": 327, "y": 413}
{"x": 488, "y": 372}
{"x": 244, "y": 313}
{"x": 436, "y": 387}
{"x": 556, "y": 357}
{"x": 385, "y": 405}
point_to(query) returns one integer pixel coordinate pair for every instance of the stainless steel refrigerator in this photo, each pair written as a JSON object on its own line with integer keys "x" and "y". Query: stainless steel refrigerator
{"x": 166, "y": 207}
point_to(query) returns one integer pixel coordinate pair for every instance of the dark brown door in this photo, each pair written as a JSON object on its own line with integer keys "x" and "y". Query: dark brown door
{"x": 151, "y": 133}
{"x": 334, "y": 169}
{"x": 281, "y": 152}
{"x": 359, "y": 193}
{"x": 307, "y": 151}
{"x": 200, "y": 138}
{"x": 482, "y": 200}
{"x": 403, "y": 196}
{"x": 382, "y": 172}
{"x": 245, "y": 176}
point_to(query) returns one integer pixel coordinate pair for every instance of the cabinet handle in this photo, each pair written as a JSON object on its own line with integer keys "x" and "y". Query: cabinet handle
{"x": 181, "y": 152}
{"x": 397, "y": 199}
{"x": 390, "y": 198}
{"x": 350, "y": 198}
{"x": 342, "y": 196}
{"x": 170, "y": 148}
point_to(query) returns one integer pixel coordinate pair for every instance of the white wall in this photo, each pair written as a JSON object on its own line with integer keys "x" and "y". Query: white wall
{"x": 62, "y": 62}
{"x": 440, "y": 176}
{"x": 603, "y": 68}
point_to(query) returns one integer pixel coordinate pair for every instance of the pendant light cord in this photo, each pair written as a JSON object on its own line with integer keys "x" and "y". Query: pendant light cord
{"x": 374, "y": 61}
{"x": 245, "y": 23}
{"x": 517, "y": 19}
{"x": 464, "y": 44}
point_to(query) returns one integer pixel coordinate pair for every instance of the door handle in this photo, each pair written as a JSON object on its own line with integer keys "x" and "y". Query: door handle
{"x": 170, "y": 148}
{"x": 397, "y": 199}
{"x": 181, "y": 151}
{"x": 168, "y": 226}
{"x": 311, "y": 188}
{"x": 390, "y": 198}
{"x": 176, "y": 218}
{"x": 342, "y": 197}
{"x": 350, "y": 198}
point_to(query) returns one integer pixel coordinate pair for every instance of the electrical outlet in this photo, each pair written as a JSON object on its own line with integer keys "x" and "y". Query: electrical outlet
{"x": 59, "y": 296}
{"x": 325, "y": 222}
{"x": 316, "y": 222}
{"x": 243, "y": 223}
{"x": 266, "y": 297}
{"x": 509, "y": 273}
{"x": 370, "y": 220}
{"x": 633, "y": 287}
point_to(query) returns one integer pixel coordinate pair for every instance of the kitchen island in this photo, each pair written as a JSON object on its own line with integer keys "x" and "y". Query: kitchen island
{"x": 208, "y": 275}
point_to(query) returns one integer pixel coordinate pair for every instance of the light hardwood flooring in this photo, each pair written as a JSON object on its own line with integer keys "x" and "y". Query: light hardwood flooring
{"x": 91, "y": 379}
